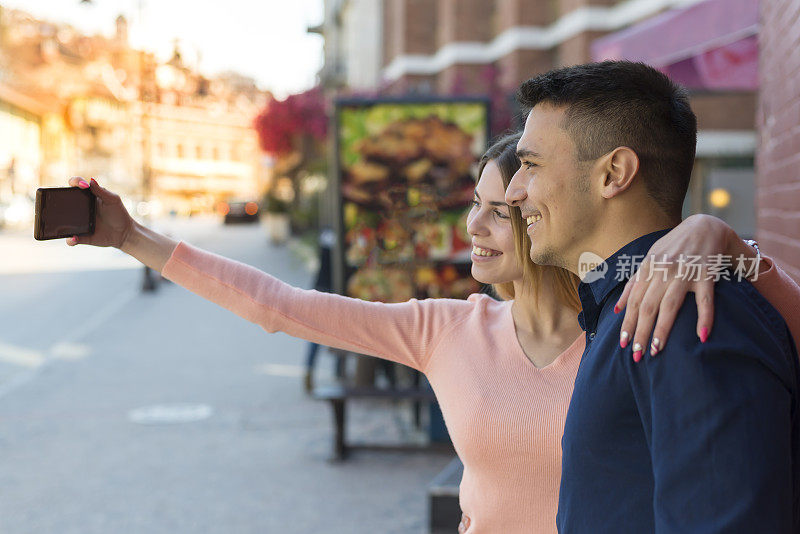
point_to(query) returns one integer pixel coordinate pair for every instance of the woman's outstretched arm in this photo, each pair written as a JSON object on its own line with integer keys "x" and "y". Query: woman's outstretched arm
{"x": 114, "y": 227}
{"x": 148, "y": 246}
{"x": 406, "y": 332}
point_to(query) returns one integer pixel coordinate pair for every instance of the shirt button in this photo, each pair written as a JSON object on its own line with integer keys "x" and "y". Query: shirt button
{"x": 591, "y": 336}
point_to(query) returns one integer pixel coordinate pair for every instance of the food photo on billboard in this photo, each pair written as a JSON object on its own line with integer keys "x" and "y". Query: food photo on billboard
{"x": 406, "y": 176}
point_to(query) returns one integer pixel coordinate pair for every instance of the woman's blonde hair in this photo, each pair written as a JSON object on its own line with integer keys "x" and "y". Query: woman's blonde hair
{"x": 504, "y": 154}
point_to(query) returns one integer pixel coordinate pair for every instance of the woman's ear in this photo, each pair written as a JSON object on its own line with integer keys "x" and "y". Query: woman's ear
{"x": 619, "y": 168}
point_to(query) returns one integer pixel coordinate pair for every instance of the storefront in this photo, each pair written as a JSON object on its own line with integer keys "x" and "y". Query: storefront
{"x": 711, "y": 48}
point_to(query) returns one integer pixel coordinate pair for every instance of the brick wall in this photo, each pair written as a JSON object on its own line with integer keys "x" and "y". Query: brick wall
{"x": 566, "y": 6}
{"x": 465, "y": 20}
{"x": 421, "y": 22}
{"x": 424, "y": 26}
{"x": 713, "y": 110}
{"x": 520, "y": 65}
{"x": 512, "y": 13}
{"x": 392, "y": 29}
{"x": 778, "y": 119}
{"x": 463, "y": 80}
{"x": 409, "y": 27}
{"x": 576, "y": 50}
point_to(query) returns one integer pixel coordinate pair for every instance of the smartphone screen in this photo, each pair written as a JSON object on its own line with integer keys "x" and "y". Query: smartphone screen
{"x": 63, "y": 212}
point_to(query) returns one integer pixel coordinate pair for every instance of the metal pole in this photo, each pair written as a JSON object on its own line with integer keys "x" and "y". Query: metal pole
{"x": 148, "y": 278}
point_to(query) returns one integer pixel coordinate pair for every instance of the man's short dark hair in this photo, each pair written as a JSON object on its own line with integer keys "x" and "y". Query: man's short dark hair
{"x": 622, "y": 103}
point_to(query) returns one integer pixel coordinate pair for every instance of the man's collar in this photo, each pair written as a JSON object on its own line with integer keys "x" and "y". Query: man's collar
{"x": 618, "y": 267}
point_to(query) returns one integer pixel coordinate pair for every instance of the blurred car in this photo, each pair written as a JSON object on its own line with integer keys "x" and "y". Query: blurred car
{"x": 239, "y": 211}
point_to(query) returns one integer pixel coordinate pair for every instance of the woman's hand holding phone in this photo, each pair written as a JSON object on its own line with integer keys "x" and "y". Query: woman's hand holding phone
{"x": 114, "y": 227}
{"x": 113, "y": 223}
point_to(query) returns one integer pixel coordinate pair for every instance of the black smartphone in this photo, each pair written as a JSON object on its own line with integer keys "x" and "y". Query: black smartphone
{"x": 64, "y": 212}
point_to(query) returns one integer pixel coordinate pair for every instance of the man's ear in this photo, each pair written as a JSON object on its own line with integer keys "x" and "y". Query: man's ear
{"x": 618, "y": 167}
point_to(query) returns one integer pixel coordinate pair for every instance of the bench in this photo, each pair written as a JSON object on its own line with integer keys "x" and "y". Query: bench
{"x": 338, "y": 395}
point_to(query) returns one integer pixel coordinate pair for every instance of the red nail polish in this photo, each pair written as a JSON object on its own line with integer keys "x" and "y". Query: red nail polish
{"x": 83, "y": 184}
{"x": 95, "y": 181}
{"x": 637, "y": 356}
{"x": 616, "y": 308}
{"x": 703, "y": 334}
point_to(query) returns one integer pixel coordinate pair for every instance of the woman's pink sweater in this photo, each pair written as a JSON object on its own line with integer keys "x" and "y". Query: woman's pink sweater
{"x": 504, "y": 415}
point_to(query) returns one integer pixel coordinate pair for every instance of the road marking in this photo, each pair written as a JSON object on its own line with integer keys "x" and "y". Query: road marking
{"x": 70, "y": 351}
{"x": 20, "y": 356}
{"x": 67, "y": 348}
{"x": 84, "y": 328}
{"x": 166, "y": 414}
{"x": 274, "y": 369}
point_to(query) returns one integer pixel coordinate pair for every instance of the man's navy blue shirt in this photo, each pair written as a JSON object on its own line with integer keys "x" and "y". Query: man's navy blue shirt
{"x": 702, "y": 437}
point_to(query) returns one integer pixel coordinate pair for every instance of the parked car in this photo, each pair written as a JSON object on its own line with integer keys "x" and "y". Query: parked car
{"x": 239, "y": 211}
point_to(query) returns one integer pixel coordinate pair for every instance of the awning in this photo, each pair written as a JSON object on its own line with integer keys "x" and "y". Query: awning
{"x": 710, "y": 45}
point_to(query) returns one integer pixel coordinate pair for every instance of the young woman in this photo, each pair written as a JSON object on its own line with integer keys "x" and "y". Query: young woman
{"x": 503, "y": 371}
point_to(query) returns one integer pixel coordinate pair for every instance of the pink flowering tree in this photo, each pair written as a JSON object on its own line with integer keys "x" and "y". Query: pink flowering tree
{"x": 293, "y": 131}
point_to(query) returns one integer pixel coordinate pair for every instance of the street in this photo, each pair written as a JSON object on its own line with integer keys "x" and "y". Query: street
{"x": 122, "y": 411}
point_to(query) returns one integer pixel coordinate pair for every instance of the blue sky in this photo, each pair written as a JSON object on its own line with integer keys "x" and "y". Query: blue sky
{"x": 264, "y": 39}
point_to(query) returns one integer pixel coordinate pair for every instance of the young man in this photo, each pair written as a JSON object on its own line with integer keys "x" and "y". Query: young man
{"x": 703, "y": 436}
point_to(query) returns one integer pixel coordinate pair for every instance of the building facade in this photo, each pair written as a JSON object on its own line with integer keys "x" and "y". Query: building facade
{"x": 489, "y": 47}
{"x": 778, "y": 198}
{"x": 199, "y": 158}
{"x": 160, "y": 132}
{"x": 20, "y": 142}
